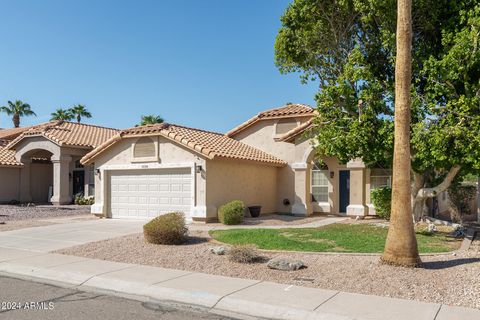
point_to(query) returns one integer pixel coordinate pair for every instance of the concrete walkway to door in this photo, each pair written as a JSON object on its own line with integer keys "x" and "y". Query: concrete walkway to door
{"x": 64, "y": 235}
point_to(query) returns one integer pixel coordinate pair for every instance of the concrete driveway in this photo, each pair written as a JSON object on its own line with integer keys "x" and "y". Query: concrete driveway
{"x": 64, "y": 235}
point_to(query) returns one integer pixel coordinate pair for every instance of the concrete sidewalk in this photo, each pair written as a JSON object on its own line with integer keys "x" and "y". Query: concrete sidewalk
{"x": 223, "y": 295}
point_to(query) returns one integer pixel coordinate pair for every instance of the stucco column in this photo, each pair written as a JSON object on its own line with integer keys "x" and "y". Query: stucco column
{"x": 303, "y": 201}
{"x": 357, "y": 206}
{"x": 25, "y": 194}
{"x": 61, "y": 180}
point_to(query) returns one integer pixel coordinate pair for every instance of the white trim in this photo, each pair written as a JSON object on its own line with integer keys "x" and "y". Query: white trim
{"x": 356, "y": 210}
{"x": 299, "y": 166}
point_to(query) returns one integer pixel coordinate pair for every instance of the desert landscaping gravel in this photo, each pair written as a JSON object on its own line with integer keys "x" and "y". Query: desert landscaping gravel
{"x": 14, "y": 217}
{"x": 14, "y": 212}
{"x": 452, "y": 279}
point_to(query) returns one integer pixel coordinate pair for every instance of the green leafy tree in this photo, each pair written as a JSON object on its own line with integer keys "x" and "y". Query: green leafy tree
{"x": 17, "y": 109}
{"x": 349, "y": 47}
{"x": 62, "y": 114}
{"x": 78, "y": 111}
{"x": 151, "y": 119}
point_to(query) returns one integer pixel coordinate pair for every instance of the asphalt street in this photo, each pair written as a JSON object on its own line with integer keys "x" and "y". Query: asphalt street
{"x": 22, "y": 300}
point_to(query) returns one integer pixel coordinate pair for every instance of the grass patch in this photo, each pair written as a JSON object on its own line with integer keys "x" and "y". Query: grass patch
{"x": 360, "y": 238}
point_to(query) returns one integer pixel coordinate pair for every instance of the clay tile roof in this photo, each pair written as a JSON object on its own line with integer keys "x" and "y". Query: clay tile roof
{"x": 7, "y": 158}
{"x": 67, "y": 133}
{"x": 209, "y": 144}
{"x": 288, "y": 136}
{"x": 286, "y": 111}
{"x": 12, "y": 133}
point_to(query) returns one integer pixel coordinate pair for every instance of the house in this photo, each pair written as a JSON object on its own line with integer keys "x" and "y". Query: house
{"x": 267, "y": 160}
{"x": 41, "y": 163}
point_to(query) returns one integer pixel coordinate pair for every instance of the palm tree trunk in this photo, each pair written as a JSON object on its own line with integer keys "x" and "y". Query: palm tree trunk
{"x": 16, "y": 120}
{"x": 401, "y": 246}
{"x": 79, "y": 118}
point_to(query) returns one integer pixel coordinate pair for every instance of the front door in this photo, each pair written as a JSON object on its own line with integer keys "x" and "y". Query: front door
{"x": 78, "y": 182}
{"x": 344, "y": 190}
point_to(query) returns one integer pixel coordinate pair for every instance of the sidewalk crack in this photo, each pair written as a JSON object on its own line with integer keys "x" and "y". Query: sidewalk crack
{"x": 321, "y": 304}
{"x": 438, "y": 311}
{"x": 249, "y": 286}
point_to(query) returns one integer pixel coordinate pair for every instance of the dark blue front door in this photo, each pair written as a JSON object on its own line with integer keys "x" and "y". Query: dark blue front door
{"x": 344, "y": 190}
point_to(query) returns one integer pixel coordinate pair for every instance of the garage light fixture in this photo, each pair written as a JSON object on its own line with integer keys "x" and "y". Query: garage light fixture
{"x": 198, "y": 168}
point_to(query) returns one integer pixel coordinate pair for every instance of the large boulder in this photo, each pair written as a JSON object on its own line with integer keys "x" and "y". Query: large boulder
{"x": 285, "y": 264}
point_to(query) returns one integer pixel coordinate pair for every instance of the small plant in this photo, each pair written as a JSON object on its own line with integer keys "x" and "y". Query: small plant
{"x": 244, "y": 253}
{"x": 169, "y": 228}
{"x": 232, "y": 212}
{"x": 83, "y": 201}
{"x": 382, "y": 200}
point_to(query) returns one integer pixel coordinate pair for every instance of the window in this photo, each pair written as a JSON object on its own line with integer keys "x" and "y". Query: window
{"x": 91, "y": 180}
{"x": 285, "y": 125}
{"x": 319, "y": 182}
{"x": 144, "y": 148}
{"x": 380, "y": 178}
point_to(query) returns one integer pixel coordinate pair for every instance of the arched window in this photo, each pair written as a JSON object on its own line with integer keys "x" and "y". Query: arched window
{"x": 144, "y": 148}
{"x": 285, "y": 125}
{"x": 319, "y": 182}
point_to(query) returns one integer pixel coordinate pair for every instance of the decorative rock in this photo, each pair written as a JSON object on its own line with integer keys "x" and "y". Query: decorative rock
{"x": 218, "y": 250}
{"x": 431, "y": 228}
{"x": 285, "y": 264}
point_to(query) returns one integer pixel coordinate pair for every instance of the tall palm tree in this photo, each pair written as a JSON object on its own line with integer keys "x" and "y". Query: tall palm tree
{"x": 17, "y": 109}
{"x": 401, "y": 246}
{"x": 62, "y": 114}
{"x": 151, "y": 119}
{"x": 79, "y": 111}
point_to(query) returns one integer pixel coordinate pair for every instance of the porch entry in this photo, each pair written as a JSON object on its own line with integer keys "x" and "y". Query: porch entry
{"x": 78, "y": 182}
{"x": 344, "y": 177}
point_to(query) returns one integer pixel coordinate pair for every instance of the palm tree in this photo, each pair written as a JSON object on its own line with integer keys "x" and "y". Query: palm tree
{"x": 401, "y": 245}
{"x": 62, "y": 114}
{"x": 78, "y": 111}
{"x": 151, "y": 119}
{"x": 17, "y": 109}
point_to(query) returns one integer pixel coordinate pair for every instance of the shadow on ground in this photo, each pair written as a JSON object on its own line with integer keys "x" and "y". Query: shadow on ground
{"x": 437, "y": 265}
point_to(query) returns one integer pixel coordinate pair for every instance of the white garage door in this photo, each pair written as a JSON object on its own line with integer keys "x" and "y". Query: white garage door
{"x": 147, "y": 193}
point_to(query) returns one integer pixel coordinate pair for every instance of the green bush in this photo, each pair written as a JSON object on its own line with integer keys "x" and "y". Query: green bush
{"x": 169, "y": 228}
{"x": 81, "y": 200}
{"x": 382, "y": 200}
{"x": 232, "y": 212}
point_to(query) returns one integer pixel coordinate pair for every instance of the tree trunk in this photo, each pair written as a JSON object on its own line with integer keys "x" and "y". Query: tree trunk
{"x": 16, "y": 120}
{"x": 79, "y": 118}
{"x": 401, "y": 245}
{"x": 420, "y": 194}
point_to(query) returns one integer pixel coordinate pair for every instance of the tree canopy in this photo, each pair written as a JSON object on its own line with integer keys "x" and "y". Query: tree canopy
{"x": 348, "y": 46}
{"x": 62, "y": 114}
{"x": 151, "y": 119}
{"x": 17, "y": 109}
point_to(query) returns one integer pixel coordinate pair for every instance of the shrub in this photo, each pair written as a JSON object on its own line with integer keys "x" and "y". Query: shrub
{"x": 232, "y": 212}
{"x": 243, "y": 254}
{"x": 81, "y": 200}
{"x": 169, "y": 228}
{"x": 382, "y": 199}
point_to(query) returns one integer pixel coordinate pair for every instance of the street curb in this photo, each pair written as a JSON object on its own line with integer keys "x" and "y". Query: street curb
{"x": 235, "y": 308}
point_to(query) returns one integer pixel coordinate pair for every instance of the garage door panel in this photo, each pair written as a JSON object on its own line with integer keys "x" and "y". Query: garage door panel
{"x": 138, "y": 194}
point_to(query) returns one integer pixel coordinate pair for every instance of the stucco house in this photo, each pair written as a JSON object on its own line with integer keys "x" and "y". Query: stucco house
{"x": 41, "y": 163}
{"x": 267, "y": 160}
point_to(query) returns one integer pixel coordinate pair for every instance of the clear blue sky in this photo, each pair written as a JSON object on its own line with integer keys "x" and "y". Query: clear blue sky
{"x": 206, "y": 64}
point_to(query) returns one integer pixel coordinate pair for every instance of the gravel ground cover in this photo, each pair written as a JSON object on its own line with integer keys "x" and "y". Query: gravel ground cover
{"x": 14, "y": 217}
{"x": 14, "y": 212}
{"x": 452, "y": 279}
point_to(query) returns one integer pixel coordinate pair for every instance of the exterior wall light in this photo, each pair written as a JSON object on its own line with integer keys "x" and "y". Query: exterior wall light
{"x": 332, "y": 174}
{"x": 198, "y": 168}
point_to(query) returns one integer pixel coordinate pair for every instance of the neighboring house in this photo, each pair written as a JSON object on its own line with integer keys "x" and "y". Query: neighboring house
{"x": 268, "y": 160}
{"x": 42, "y": 163}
